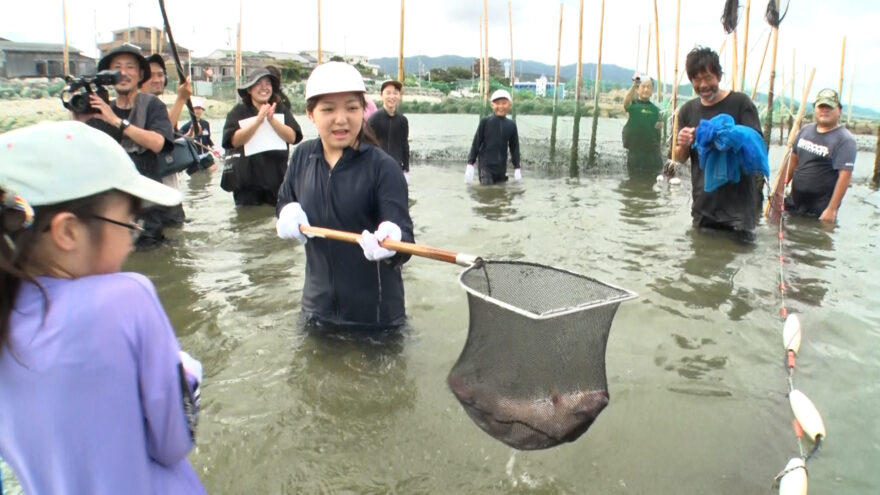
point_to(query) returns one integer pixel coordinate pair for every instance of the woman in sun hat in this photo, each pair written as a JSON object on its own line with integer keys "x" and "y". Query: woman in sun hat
{"x": 97, "y": 396}
{"x": 259, "y": 174}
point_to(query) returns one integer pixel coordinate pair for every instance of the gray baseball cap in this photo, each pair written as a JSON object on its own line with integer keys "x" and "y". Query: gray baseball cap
{"x": 54, "y": 162}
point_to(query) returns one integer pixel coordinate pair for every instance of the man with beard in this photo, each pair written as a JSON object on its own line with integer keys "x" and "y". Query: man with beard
{"x": 139, "y": 121}
{"x": 733, "y": 206}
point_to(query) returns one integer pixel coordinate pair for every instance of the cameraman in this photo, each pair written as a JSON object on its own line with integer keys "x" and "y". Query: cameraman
{"x": 139, "y": 121}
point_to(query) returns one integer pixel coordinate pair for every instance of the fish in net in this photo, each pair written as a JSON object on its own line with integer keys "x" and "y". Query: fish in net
{"x": 532, "y": 371}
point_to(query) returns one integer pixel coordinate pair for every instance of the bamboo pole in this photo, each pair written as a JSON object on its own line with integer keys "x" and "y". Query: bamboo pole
{"x": 657, "y": 55}
{"x": 778, "y": 182}
{"x": 849, "y": 95}
{"x": 734, "y": 79}
{"x": 639, "y": 45}
{"x": 319, "y": 33}
{"x": 782, "y": 110}
{"x": 556, "y": 91}
{"x": 842, "y": 58}
{"x": 572, "y": 167}
{"x": 482, "y": 69}
{"x": 647, "y": 55}
{"x": 742, "y": 76}
{"x": 400, "y": 60}
{"x": 238, "y": 67}
{"x": 486, "y": 51}
{"x": 592, "y": 159}
{"x": 66, "y": 48}
{"x": 152, "y": 40}
{"x": 675, "y": 79}
{"x": 510, "y": 26}
{"x": 768, "y": 125}
{"x": 760, "y": 68}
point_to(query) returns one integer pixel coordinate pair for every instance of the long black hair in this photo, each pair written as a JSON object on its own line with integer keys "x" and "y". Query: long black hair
{"x": 366, "y": 133}
{"x": 18, "y": 243}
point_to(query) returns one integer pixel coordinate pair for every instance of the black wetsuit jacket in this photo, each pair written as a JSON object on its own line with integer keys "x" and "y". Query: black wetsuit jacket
{"x": 365, "y": 188}
{"x": 493, "y": 137}
{"x": 393, "y": 134}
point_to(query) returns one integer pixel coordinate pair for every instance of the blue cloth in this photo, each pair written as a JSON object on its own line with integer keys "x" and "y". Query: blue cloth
{"x": 727, "y": 150}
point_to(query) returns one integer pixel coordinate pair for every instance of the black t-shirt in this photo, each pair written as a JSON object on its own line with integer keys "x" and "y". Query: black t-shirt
{"x": 733, "y": 205}
{"x": 393, "y": 134}
{"x": 156, "y": 121}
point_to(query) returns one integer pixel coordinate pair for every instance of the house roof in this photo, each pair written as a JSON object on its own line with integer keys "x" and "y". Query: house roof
{"x": 14, "y": 46}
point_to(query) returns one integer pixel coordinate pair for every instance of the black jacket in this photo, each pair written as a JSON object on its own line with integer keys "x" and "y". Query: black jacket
{"x": 393, "y": 134}
{"x": 365, "y": 188}
{"x": 493, "y": 137}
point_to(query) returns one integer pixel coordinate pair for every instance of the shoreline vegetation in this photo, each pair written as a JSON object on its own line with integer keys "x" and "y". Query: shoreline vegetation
{"x": 27, "y": 102}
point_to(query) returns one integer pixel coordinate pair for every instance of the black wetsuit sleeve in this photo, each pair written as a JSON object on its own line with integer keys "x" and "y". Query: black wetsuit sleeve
{"x": 478, "y": 142}
{"x": 405, "y": 144}
{"x": 514, "y": 145}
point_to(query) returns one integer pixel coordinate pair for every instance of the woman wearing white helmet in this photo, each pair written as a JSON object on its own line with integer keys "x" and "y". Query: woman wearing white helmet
{"x": 342, "y": 180}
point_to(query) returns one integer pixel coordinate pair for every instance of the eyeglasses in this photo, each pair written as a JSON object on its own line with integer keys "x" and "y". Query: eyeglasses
{"x": 136, "y": 227}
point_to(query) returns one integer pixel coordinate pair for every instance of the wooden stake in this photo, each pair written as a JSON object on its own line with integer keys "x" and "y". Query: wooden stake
{"x": 842, "y": 58}
{"x": 238, "y": 67}
{"x": 319, "y": 32}
{"x": 782, "y": 111}
{"x": 657, "y": 54}
{"x": 647, "y": 55}
{"x": 768, "y": 125}
{"x": 486, "y": 51}
{"x": 742, "y": 76}
{"x": 782, "y": 173}
{"x": 592, "y": 158}
{"x": 575, "y": 131}
{"x": 760, "y": 68}
{"x": 734, "y": 79}
{"x": 400, "y": 60}
{"x": 675, "y": 79}
{"x": 639, "y": 45}
{"x": 66, "y": 49}
{"x": 510, "y": 25}
{"x": 556, "y": 91}
{"x": 849, "y": 95}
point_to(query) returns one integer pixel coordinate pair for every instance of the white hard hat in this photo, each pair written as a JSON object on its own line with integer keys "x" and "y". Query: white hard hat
{"x": 198, "y": 101}
{"x": 500, "y": 93}
{"x": 334, "y": 77}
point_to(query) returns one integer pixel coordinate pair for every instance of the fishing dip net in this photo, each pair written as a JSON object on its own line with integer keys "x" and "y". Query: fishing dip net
{"x": 532, "y": 371}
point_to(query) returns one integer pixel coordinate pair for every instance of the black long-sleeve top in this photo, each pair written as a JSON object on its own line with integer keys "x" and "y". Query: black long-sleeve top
{"x": 363, "y": 189}
{"x": 493, "y": 138}
{"x": 393, "y": 134}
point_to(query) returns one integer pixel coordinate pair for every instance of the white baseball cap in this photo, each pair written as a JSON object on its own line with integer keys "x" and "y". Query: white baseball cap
{"x": 334, "y": 77}
{"x": 500, "y": 93}
{"x": 54, "y": 162}
{"x": 198, "y": 101}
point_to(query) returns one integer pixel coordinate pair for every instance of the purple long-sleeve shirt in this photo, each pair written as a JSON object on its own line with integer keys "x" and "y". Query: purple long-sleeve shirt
{"x": 91, "y": 397}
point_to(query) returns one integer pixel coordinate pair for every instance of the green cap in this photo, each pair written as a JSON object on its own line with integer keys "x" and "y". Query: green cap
{"x": 827, "y": 97}
{"x": 54, "y": 162}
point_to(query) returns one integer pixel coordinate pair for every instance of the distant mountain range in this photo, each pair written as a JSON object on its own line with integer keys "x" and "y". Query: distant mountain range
{"x": 528, "y": 70}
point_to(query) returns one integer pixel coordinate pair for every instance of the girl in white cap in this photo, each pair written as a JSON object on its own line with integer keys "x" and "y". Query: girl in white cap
{"x": 96, "y": 395}
{"x": 343, "y": 181}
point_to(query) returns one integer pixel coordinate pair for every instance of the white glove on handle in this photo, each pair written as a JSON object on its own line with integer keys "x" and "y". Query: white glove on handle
{"x": 469, "y": 173}
{"x": 370, "y": 242}
{"x": 517, "y": 175}
{"x": 289, "y": 220}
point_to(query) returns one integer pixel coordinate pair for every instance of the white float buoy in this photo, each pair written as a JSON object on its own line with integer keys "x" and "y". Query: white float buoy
{"x": 794, "y": 481}
{"x": 791, "y": 333}
{"x": 806, "y": 414}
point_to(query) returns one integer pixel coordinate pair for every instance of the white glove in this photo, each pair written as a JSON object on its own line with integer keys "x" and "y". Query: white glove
{"x": 469, "y": 173}
{"x": 517, "y": 175}
{"x": 370, "y": 242}
{"x": 289, "y": 220}
{"x": 191, "y": 366}
{"x": 406, "y": 177}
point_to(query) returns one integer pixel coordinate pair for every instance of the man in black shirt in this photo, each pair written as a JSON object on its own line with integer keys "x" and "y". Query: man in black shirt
{"x": 495, "y": 135}
{"x": 733, "y": 206}
{"x": 391, "y": 127}
{"x": 139, "y": 121}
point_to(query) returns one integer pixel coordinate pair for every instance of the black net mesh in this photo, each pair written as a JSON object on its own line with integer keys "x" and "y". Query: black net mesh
{"x": 532, "y": 372}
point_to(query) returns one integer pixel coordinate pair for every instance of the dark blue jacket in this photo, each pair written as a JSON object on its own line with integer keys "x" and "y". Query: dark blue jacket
{"x": 365, "y": 188}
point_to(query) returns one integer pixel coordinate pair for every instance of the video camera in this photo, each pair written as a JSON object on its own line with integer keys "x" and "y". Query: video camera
{"x": 75, "y": 96}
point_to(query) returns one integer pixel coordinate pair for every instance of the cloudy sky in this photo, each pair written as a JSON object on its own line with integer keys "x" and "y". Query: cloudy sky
{"x": 812, "y": 33}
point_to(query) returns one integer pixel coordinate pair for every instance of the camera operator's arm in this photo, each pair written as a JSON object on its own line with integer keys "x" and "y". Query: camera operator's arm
{"x": 184, "y": 92}
{"x": 151, "y": 140}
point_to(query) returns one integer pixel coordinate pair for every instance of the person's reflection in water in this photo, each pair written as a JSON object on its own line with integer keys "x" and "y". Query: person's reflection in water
{"x": 352, "y": 388}
{"x": 639, "y": 198}
{"x": 495, "y": 202}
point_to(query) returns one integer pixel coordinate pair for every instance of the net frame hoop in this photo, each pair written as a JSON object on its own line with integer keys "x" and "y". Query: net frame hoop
{"x": 626, "y": 296}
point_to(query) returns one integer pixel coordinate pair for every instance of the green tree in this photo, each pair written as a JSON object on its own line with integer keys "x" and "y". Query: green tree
{"x": 291, "y": 70}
